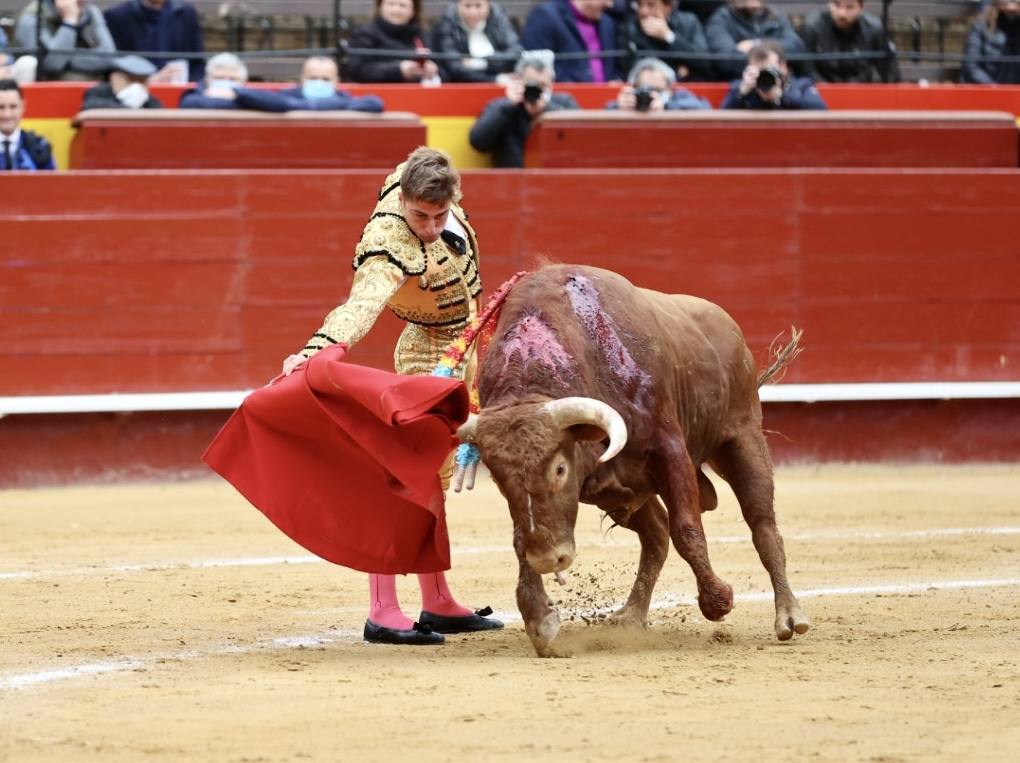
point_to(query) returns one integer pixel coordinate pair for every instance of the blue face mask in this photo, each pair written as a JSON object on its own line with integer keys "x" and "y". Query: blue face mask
{"x": 317, "y": 88}
{"x": 223, "y": 84}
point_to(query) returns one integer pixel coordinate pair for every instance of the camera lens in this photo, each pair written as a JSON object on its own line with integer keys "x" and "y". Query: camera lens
{"x": 643, "y": 99}
{"x": 533, "y": 92}
{"x": 768, "y": 78}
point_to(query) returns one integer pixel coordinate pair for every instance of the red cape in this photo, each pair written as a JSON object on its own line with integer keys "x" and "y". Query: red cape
{"x": 345, "y": 459}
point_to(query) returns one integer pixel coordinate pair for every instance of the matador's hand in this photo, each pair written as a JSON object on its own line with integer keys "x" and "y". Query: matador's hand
{"x": 292, "y": 363}
{"x": 465, "y": 466}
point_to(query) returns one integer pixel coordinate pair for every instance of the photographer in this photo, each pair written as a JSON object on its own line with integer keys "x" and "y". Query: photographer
{"x": 767, "y": 84}
{"x": 506, "y": 122}
{"x": 650, "y": 89}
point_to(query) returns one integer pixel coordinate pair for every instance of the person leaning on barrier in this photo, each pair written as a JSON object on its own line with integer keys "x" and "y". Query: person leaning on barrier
{"x": 126, "y": 88}
{"x": 482, "y": 35}
{"x": 506, "y": 122}
{"x": 651, "y": 88}
{"x": 319, "y": 89}
{"x": 844, "y": 27}
{"x": 20, "y": 149}
{"x": 169, "y": 26}
{"x": 658, "y": 29}
{"x": 395, "y": 28}
{"x": 767, "y": 84}
{"x": 741, "y": 25}
{"x": 995, "y": 34}
{"x": 73, "y": 33}
{"x": 575, "y": 27}
{"x": 224, "y": 88}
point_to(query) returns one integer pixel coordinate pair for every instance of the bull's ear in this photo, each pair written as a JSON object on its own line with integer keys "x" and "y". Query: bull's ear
{"x": 588, "y": 433}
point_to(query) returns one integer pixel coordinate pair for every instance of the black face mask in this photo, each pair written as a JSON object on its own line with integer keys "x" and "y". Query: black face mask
{"x": 748, "y": 13}
{"x": 1009, "y": 20}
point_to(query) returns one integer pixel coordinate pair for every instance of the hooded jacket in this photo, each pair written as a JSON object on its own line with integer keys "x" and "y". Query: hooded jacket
{"x": 450, "y": 36}
{"x": 727, "y": 27}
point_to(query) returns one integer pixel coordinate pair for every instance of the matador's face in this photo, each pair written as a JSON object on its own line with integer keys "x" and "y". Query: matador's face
{"x": 425, "y": 219}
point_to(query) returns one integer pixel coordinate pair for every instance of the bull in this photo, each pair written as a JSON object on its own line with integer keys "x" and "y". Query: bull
{"x": 594, "y": 390}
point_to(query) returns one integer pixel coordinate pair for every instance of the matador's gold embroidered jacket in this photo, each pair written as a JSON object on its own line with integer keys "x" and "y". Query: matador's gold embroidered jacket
{"x": 433, "y": 286}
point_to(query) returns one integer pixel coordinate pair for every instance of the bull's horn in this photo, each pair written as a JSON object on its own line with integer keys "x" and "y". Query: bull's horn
{"x": 568, "y": 411}
{"x": 466, "y": 431}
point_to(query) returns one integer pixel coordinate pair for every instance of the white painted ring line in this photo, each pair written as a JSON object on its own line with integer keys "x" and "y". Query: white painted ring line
{"x": 13, "y": 681}
{"x": 259, "y": 561}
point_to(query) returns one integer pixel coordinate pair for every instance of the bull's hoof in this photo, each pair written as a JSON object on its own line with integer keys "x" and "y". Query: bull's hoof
{"x": 629, "y": 617}
{"x": 791, "y": 619}
{"x": 717, "y": 603}
{"x": 543, "y": 633}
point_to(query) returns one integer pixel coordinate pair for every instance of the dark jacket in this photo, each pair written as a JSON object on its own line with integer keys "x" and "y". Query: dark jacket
{"x": 1004, "y": 41}
{"x": 727, "y": 27}
{"x": 381, "y": 35}
{"x": 503, "y": 128}
{"x": 449, "y": 36}
{"x": 551, "y": 26}
{"x": 866, "y": 36}
{"x": 341, "y": 101}
{"x": 102, "y": 96}
{"x": 33, "y": 152}
{"x": 174, "y": 28}
{"x": 680, "y": 99}
{"x": 690, "y": 38}
{"x": 800, "y": 94}
{"x": 703, "y": 9}
{"x": 245, "y": 98}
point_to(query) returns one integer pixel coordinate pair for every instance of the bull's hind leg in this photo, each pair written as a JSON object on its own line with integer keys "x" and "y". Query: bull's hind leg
{"x": 652, "y": 527}
{"x": 745, "y": 464}
{"x": 678, "y": 482}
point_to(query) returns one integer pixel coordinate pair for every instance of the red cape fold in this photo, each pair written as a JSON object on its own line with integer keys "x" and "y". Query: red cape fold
{"x": 344, "y": 459}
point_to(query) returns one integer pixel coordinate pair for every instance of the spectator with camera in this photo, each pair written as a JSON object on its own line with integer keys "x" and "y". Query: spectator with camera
{"x": 396, "y": 29}
{"x": 742, "y": 24}
{"x": 575, "y": 27}
{"x": 126, "y": 87}
{"x": 844, "y": 27}
{"x": 994, "y": 35}
{"x": 169, "y": 26}
{"x": 73, "y": 35}
{"x": 506, "y": 122}
{"x": 658, "y": 29}
{"x": 767, "y": 84}
{"x": 482, "y": 37}
{"x": 20, "y": 149}
{"x": 651, "y": 88}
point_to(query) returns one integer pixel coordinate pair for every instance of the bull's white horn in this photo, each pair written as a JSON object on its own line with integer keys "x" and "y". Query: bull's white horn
{"x": 466, "y": 431}
{"x": 568, "y": 411}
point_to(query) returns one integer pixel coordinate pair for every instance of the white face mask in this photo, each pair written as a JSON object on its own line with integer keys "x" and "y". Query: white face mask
{"x": 133, "y": 96}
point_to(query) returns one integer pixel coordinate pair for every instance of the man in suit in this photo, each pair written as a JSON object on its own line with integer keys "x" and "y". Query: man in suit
{"x": 20, "y": 149}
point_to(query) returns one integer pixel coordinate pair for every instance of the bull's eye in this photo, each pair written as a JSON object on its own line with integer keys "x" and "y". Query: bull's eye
{"x": 561, "y": 469}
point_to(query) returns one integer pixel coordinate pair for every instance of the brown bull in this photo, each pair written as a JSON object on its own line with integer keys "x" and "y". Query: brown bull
{"x": 582, "y": 356}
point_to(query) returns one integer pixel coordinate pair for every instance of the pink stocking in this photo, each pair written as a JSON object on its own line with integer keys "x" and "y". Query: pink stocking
{"x": 384, "y": 609}
{"x": 436, "y": 597}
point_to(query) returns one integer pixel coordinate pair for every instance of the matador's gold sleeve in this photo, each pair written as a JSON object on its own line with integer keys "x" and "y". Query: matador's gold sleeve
{"x": 374, "y": 283}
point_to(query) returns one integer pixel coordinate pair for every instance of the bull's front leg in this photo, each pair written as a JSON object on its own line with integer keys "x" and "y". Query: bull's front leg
{"x": 677, "y": 476}
{"x": 541, "y": 620}
{"x": 651, "y": 525}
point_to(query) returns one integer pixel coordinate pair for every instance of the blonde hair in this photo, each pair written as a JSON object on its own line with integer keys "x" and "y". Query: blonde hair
{"x": 430, "y": 176}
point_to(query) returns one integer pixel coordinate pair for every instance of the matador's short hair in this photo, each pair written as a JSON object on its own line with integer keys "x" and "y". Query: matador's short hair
{"x": 430, "y": 176}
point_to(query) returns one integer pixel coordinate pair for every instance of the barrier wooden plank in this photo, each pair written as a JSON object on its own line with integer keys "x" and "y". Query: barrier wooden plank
{"x": 571, "y": 139}
{"x": 215, "y": 139}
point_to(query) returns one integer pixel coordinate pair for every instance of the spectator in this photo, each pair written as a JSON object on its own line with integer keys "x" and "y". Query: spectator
{"x": 995, "y": 34}
{"x": 767, "y": 84}
{"x": 6, "y": 65}
{"x": 127, "y": 87}
{"x": 481, "y": 33}
{"x": 846, "y": 28}
{"x": 741, "y": 25}
{"x": 575, "y": 26}
{"x": 20, "y": 149}
{"x": 169, "y": 26}
{"x": 67, "y": 25}
{"x": 394, "y": 28}
{"x": 650, "y": 87}
{"x": 657, "y": 29}
{"x": 506, "y": 122}
{"x": 224, "y": 88}
{"x": 319, "y": 89}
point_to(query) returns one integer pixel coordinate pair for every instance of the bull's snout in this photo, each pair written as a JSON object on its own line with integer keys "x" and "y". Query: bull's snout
{"x": 555, "y": 559}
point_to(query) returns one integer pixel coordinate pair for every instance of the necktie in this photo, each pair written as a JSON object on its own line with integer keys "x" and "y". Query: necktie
{"x": 8, "y": 157}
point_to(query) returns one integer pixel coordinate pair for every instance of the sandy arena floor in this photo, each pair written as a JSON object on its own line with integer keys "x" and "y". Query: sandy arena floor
{"x": 173, "y": 622}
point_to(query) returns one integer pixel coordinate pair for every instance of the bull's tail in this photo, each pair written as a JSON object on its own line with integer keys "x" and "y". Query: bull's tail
{"x": 781, "y": 356}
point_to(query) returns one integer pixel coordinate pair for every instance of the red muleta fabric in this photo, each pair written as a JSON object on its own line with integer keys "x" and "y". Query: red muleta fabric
{"x": 344, "y": 459}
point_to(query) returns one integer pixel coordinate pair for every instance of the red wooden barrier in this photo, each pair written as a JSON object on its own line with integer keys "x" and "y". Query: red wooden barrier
{"x": 212, "y": 139}
{"x": 566, "y": 139}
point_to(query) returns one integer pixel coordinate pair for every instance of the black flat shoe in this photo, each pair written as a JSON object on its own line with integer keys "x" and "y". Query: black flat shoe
{"x": 418, "y": 634}
{"x": 465, "y": 624}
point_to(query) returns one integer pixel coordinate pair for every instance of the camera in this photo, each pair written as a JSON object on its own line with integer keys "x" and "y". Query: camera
{"x": 643, "y": 98}
{"x": 533, "y": 92}
{"x": 768, "y": 78}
